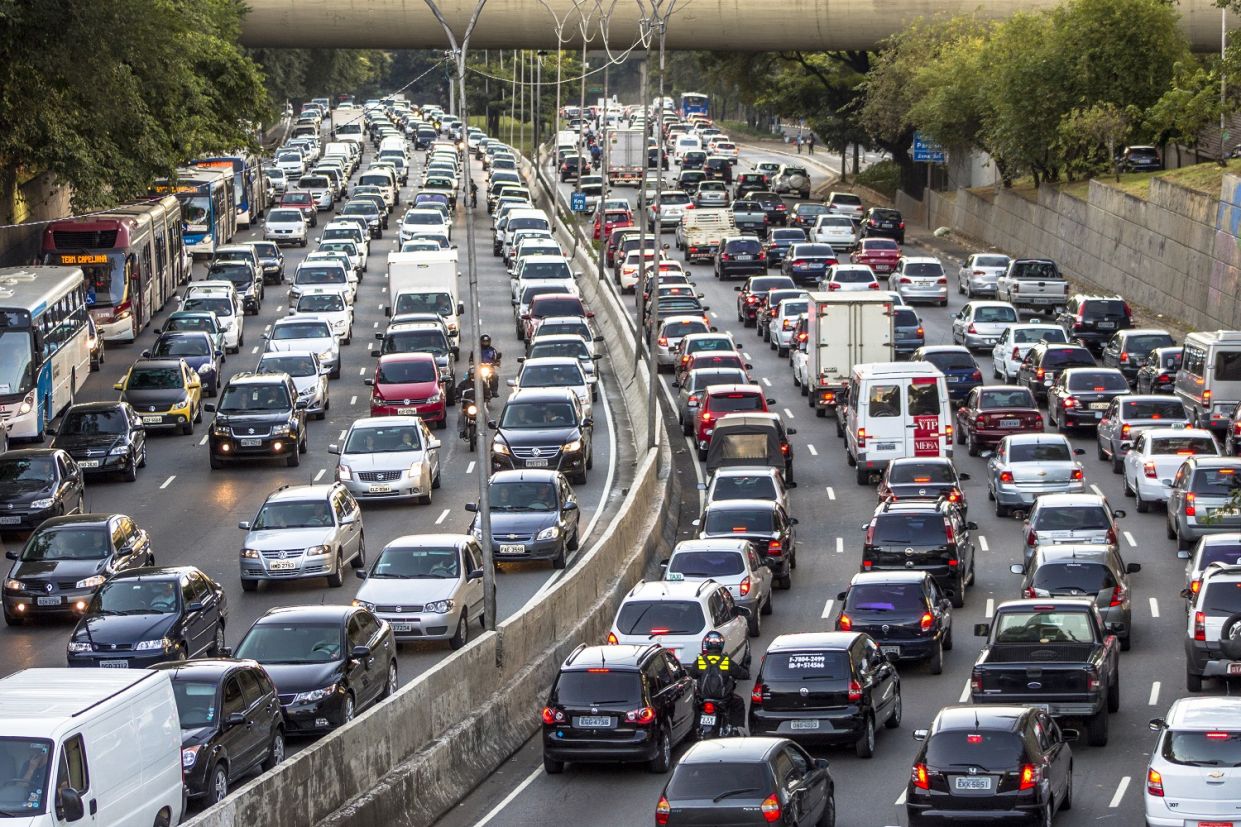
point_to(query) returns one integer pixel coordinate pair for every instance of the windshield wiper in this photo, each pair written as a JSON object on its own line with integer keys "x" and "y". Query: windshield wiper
{"x": 731, "y": 793}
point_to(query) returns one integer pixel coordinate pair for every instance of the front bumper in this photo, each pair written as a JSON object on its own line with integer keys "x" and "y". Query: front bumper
{"x": 229, "y": 447}
{"x": 171, "y": 418}
{"x": 18, "y": 520}
{"x": 301, "y": 566}
{"x": 410, "y": 626}
{"x": 102, "y": 463}
{"x": 569, "y": 462}
{"x": 505, "y": 549}
{"x": 68, "y": 602}
{"x": 126, "y": 659}
{"x": 395, "y": 485}
{"x": 314, "y": 716}
{"x": 429, "y": 412}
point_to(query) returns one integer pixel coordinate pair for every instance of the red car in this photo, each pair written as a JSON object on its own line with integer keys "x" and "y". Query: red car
{"x": 409, "y": 384}
{"x": 880, "y": 253}
{"x": 303, "y": 201}
{"x": 611, "y": 220}
{"x": 615, "y": 238}
{"x": 552, "y": 304}
{"x": 992, "y": 412}
{"x": 721, "y": 400}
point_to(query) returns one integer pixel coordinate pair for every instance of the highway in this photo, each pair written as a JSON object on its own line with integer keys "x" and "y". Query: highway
{"x": 831, "y": 508}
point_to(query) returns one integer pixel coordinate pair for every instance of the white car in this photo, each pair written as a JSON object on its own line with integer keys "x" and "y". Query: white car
{"x": 566, "y": 346}
{"x": 285, "y": 226}
{"x": 672, "y": 205}
{"x": 389, "y": 458}
{"x": 332, "y": 308}
{"x": 337, "y": 230}
{"x": 731, "y": 563}
{"x": 314, "y": 335}
{"x": 980, "y": 325}
{"x": 556, "y": 372}
{"x": 1015, "y": 342}
{"x": 357, "y": 255}
{"x": 1156, "y": 454}
{"x": 321, "y": 277}
{"x": 1192, "y": 776}
{"x": 784, "y": 325}
{"x": 227, "y": 309}
{"x": 421, "y": 220}
{"x": 308, "y": 375}
{"x": 835, "y": 230}
{"x": 848, "y": 278}
{"x": 541, "y": 268}
{"x": 979, "y": 274}
{"x": 678, "y": 615}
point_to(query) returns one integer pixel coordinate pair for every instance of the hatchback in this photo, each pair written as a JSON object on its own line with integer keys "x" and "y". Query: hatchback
{"x": 920, "y": 279}
{"x": 848, "y": 278}
{"x": 1212, "y": 645}
{"x": 731, "y": 562}
{"x": 883, "y": 222}
{"x": 308, "y": 374}
{"x": 691, "y": 386}
{"x": 103, "y": 437}
{"x": 780, "y": 241}
{"x": 1015, "y": 342}
{"x": 296, "y": 333}
{"x": 764, "y": 523}
{"x": 1044, "y": 361}
{"x": 905, "y": 612}
{"x": 166, "y": 393}
{"x": 1129, "y": 413}
{"x": 1074, "y": 519}
{"x": 1196, "y": 734}
{"x": 1224, "y": 549}
{"x": 838, "y": 232}
{"x": 923, "y": 478}
{"x": 960, "y": 370}
{"x": 1126, "y": 349}
{"x": 740, "y": 256}
{"x": 1157, "y": 370}
{"x": 1097, "y": 571}
{"x": 303, "y": 531}
{"x": 922, "y": 535}
{"x": 980, "y": 324}
{"x": 1092, "y": 320}
{"x": 1200, "y": 499}
{"x": 534, "y": 516}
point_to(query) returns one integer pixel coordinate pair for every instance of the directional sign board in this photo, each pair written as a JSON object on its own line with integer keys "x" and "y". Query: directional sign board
{"x": 927, "y": 151}
{"x": 578, "y": 202}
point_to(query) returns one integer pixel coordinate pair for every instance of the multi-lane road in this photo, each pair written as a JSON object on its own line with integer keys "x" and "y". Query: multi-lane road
{"x": 831, "y": 508}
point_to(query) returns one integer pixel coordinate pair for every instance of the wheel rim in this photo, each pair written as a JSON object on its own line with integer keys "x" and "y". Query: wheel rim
{"x": 219, "y": 638}
{"x": 391, "y": 678}
{"x": 870, "y": 734}
{"x": 277, "y": 749}
{"x": 348, "y": 708}
{"x": 219, "y": 784}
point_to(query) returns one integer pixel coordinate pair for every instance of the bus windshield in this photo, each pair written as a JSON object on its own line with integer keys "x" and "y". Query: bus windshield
{"x": 196, "y": 210}
{"x": 16, "y": 361}
{"x": 105, "y": 278}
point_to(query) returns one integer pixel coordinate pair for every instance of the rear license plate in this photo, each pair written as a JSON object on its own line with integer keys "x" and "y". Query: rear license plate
{"x": 1010, "y": 423}
{"x": 593, "y": 721}
{"x": 803, "y": 724}
{"x": 512, "y": 548}
{"x": 890, "y": 650}
{"x": 379, "y": 489}
{"x": 747, "y": 257}
{"x": 10, "y": 520}
{"x": 1215, "y": 823}
{"x": 955, "y": 379}
{"x": 407, "y": 411}
{"x": 88, "y": 463}
{"x": 1106, "y": 325}
{"x": 152, "y": 420}
{"x": 48, "y": 601}
{"x": 250, "y": 443}
{"x": 706, "y": 720}
{"x": 283, "y": 565}
{"x": 1234, "y": 669}
{"x": 885, "y": 446}
{"x": 114, "y": 664}
{"x": 402, "y": 627}
{"x": 965, "y": 782}
{"x": 1099, "y": 406}
{"x": 536, "y": 463}
{"x": 991, "y": 339}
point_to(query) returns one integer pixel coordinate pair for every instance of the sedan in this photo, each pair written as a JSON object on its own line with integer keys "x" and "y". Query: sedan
{"x": 1080, "y": 396}
{"x": 198, "y": 350}
{"x": 285, "y": 226}
{"x": 807, "y": 263}
{"x": 389, "y": 458}
{"x": 1154, "y": 455}
{"x": 555, "y": 372}
{"x": 314, "y": 335}
{"x": 993, "y": 412}
{"x": 408, "y": 384}
{"x": 980, "y": 324}
{"x": 979, "y": 274}
{"x": 145, "y": 616}
{"x": 103, "y": 437}
{"x": 195, "y": 321}
{"x": 330, "y": 307}
{"x": 1157, "y": 370}
{"x": 534, "y": 516}
{"x": 1027, "y": 466}
{"x": 692, "y": 385}
{"x": 730, "y": 562}
{"x": 38, "y": 483}
{"x": 836, "y": 231}
{"x": 923, "y": 478}
{"x": 848, "y": 278}
{"x": 271, "y": 260}
{"x": 1126, "y": 414}
{"x": 166, "y": 393}
{"x": 881, "y": 254}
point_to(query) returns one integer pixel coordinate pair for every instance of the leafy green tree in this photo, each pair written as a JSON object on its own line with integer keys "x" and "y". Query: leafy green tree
{"x": 1189, "y": 106}
{"x": 1084, "y": 131}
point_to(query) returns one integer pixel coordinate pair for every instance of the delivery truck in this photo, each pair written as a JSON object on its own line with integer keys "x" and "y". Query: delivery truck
{"x": 426, "y": 282}
{"x": 843, "y": 330}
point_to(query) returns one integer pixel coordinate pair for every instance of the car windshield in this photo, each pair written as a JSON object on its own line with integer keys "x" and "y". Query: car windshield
{"x": 1074, "y": 576}
{"x": 132, "y": 596}
{"x": 292, "y": 643}
{"x": 1019, "y": 398}
{"x": 394, "y": 438}
{"x": 1100, "y": 381}
{"x": 418, "y": 563}
{"x": 27, "y": 469}
{"x": 533, "y": 415}
{"x": 179, "y": 323}
{"x": 196, "y": 703}
{"x": 321, "y": 275}
{"x": 1042, "y": 333}
{"x": 734, "y": 780}
{"x": 1219, "y": 482}
{"x": 730, "y": 520}
{"x": 294, "y": 514}
{"x": 284, "y": 217}
{"x": 1039, "y": 452}
{"x": 924, "y": 268}
{"x": 292, "y": 365}
{"x": 577, "y": 328}
{"x": 556, "y": 306}
{"x": 1195, "y": 748}
{"x": 921, "y": 472}
{"x": 995, "y": 314}
{"x": 905, "y": 598}
{"x": 707, "y": 563}
{"x": 401, "y": 372}
{"x": 1038, "y": 626}
{"x": 551, "y": 376}
{"x": 1153, "y": 409}
{"x": 569, "y": 349}
{"x": 523, "y": 496}
{"x": 68, "y": 543}
{"x": 908, "y": 530}
{"x": 173, "y": 346}
{"x": 1071, "y": 518}
{"x": 598, "y": 686}
{"x": 85, "y": 423}
{"x": 155, "y": 379}
{"x": 219, "y": 305}
{"x": 268, "y": 397}
{"x": 660, "y": 617}
{"x": 989, "y": 751}
{"x": 23, "y": 791}
{"x": 732, "y": 402}
{"x": 825, "y": 665}
{"x": 300, "y": 330}
{"x": 321, "y": 303}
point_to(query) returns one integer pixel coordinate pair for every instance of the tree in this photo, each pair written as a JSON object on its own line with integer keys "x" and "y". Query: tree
{"x": 1084, "y": 130}
{"x": 1189, "y": 106}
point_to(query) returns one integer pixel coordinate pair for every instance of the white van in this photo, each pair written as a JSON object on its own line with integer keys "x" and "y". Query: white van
{"x": 426, "y": 282}
{"x": 895, "y": 410}
{"x": 385, "y": 179}
{"x": 684, "y": 144}
{"x": 394, "y": 142}
{"x": 98, "y": 747}
{"x": 1209, "y": 379}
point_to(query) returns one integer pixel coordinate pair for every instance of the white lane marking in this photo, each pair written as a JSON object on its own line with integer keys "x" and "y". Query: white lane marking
{"x": 1096, "y": 489}
{"x": 442, "y": 517}
{"x": 381, "y": 307}
{"x": 353, "y": 400}
{"x": 789, "y": 413}
{"x": 814, "y": 452}
{"x": 267, "y": 329}
{"x": 375, "y": 325}
{"x": 746, "y": 356}
{"x": 840, "y": 545}
{"x": 1154, "y": 607}
{"x": 766, "y": 381}
{"x": 712, "y": 312}
{"x": 499, "y": 808}
{"x": 827, "y": 608}
{"x": 1120, "y": 792}
{"x": 254, "y": 349}
{"x": 982, "y": 543}
{"x": 319, "y": 475}
{"x": 361, "y": 371}
{"x": 342, "y": 434}
{"x": 900, "y": 799}
{"x": 1154, "y": 698}
{"x": 203, "y": 441}
{"x": 831, "y": 493}
{"x": 469, "y": 469}
{"x": 990, "y": 607}
{"x": 965, "y": 693}
{"x": 167, "y": 482}
{"x": 1129, "y": 539}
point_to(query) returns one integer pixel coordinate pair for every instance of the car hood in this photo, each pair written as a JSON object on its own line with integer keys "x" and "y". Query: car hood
{"x": 123, "y": 628}
{"x": 520, "y": 522}
{"x": 82, "y": 442}
{"x": 291, "y": 678}
{"x": 198, "y": 735}
{"x": 537, "y": 436}
{"x": 158, "y": 398}
{"x": 305, "y": 383}
{"x": 57, "y": 569}
{"x": 411, "y": 591}
{"x": 236, "y": 420}
{"x": 317, "y": 344}
{"x": 385, "y": 461}
{"x": 408, "y": 390}
{"x": 288, "y": 538}
{"x": 19, "y": 491}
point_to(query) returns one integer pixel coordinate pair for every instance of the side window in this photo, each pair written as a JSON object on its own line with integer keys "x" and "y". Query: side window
{"x": 656, "y": 673}
{"x": 233, "y": 700}
{"x": 884, "y": 401}
{"x": 187, "y": 591}
{"x": 73, "y": 768}
{"x": 785, "y": 771}
{"x": 118, "y": 534}
{"x": 338, "y": 506}
{"x": 715, "y": 608}
{"x": 726, "y": 600}
{"x": 251, "y": 691}
{"x": 972, "y": 400}
{"x": 353, "y": 632}
{"x": 800, "y": 765}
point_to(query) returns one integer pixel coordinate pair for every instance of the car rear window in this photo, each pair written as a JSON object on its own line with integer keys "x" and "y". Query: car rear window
{"x": 1215, "y": 748}
{"x": 744, "y": 246}
{"x": 995, "y": 314}
{"x": 1104, "y": 309}
{"x": 707, "y": 563}
{"x": 1100, "y": 381}
{"x": 1071, "y": 518}
{"x": 921, "y": 472}
{"x": 1153, "y": 409}
{"x": 737, "y": 520}
{"x": 1183, "y": 446}
{"x": 1090, "y": 578}
{"x": 992, "y": 751}
{"x": 1067, "y": 357}
{"x": 597, "y": 687}
{"x": 1228, "y": 366}
{"x": 1146, "y": 343}
{"x": 908, "y": 530}
{"x": 991, "y": 261}
{"x": 1035, "y": 270}
{"x": 729, "y": 402}
{"x": 707, "y": 781}
{"x": 950, "y": 360}
{"x": 886, "y": 597}
{"x": 1228, "y": 553}
{"x": 924, "y": 268}
{"x": 700, "y": 379}
{"x": 1040, "y": 334}
{"x": 1016, "y": 398}
{"x": 1039, "y": 452}
{"x": 846, "y": 199}
{"x": 758, "y": 487}
{"x": 678, "y": 329}
{"x": 852, "y": 276}
{"x": 879, "y": 244}
{"x": 1217, "y": 481}
{"x": 660, "y": 617}
{"x": 822, "y": 665}
{"x": 1223, "y": 597}
{"x": 906, "y": 318}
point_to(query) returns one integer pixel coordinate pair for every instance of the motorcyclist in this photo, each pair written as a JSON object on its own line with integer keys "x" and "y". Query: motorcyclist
{"x": 465, "y": 394}
{"x": 716, "y": 676}
{"x": 487, "y": 355}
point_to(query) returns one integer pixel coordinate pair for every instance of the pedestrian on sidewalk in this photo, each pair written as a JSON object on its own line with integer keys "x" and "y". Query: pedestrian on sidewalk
{"x": 799, "y": 141}
{"x": 810, "y": 143}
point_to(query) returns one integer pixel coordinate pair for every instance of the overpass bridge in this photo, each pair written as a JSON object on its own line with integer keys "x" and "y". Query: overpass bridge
{"x": 732, "y": 25}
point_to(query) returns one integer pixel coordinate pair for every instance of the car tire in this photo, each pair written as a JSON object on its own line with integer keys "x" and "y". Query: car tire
{"x": 754, "y": 624}
{"x": 767, "y": 607}
{"x": 275, "y": 751}
{"x": 359, "y": 559}
{"x": 1193, "y": 683}
{"x": 865, "y": 744}
{"x": 784, "y": 582}
{"x": 958, "y": 599}
{"x": 217, "y": 645}
{"x": 249, "y": 585}
{"x": 462, "y": 635}
{"x": 1142, "y": 505}
{"x": 863, "y": 476}
{"x": 349, "y": 710}
{"x": 336, "y": 578}
{"x": 1113, "y": 692}
{"x": 10, "y": 620}
{"x": 131, "y": 469}
{"x": 217, "y": 784}
{"x": 560, "y": 560}
{"x": 894, "y": 719}
{"x": 828, "y": 819}
{"x": 1100, "y": 452}
{"x": 936, "y": 662}
{"x": 948, "y": 640}
{"x": 1097, "y": 728}
{"x": 662, "y": 761}
{"x": 552, "y": 767}
{"x": 187, "y": 427}
{"x": 294, "y": 458}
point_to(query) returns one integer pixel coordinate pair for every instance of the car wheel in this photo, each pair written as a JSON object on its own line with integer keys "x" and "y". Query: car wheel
{"x": 336, "y": 578}
{"x": 662, "y": 761}
{"x": 346, "y": 714}
{"x": 217, "y": 785}
{"x": 948, "y": 640}
{"x": 828, "y": 819}
{"x": 10, "y": 620}
{"x": 936, "y": 662}
{"x": 1096, "y": 729}
{"x": 294, "y": 458}
{"x": 217, "y": 645}
{"x": 1193, "y": 683}
{"x": 971, "y": 444}
{"x": 131, "y": 469}
{"x": 767, "y": 607}
{"x": 1142, "y": 505}
{"x": 552, "y": 766}
{"x": 754, "y": 624}
{"x": 865, "y": 746}
{"x": 359, "y": 559}
{"x": 187, "y": 427}
{"x": 894, "y": 719}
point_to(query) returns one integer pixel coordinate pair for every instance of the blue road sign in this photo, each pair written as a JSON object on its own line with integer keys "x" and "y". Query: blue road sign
{"x": 927, "y": 151}
{"x": 578, "y": 202}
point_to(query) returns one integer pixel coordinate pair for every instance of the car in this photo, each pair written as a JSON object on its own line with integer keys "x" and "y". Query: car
{"x": 1070, "y": 518}
{"x": 94, "y": 343}
{"x": 883, "y": 222}
{"x": 908, "y": 335}
{"x": 408, "y": 384}
{"x": 1016, "y": 341}
{"x": 285, "y": 226}
{"x": 734, "y": 780}
{"x": 750, "y": 182}
{"x": 732, "y": 562}
{"x": 923, "y": 478}
{"x": 103, "y": 438}
{"x": 904, "y": 612}
{"x": 958, "y": 366}
{"x": 677, "y": 615}
{"x": 227, "y": 311}
{"x": 330, "y": 307}
{"x": 881, "y": 254}
{"x": 764, "y": 523}
{"x": 1044, "y": 362}
{"x": 1210, "y": 645}
{"x": 246, "y": 278}
{"x": 389, "y": 458}
{"x": 303, "y": 531}
{"x": 691, "y": 386}
{"x": 562, "y": 304}
{"x": 555, "y": 372}
{"x": 1199, "y": 499}
{"x": 1126, "y": 349}
{"x": 836, "y": 231}
{"x": 323, "y": 273}
{"x": 979, "y": 274}
{"x": 992, "y": 412}
{"x": 426, "y": 587}
{"x": 712, "y": 194}
{"x": 922, "y": 535}
{"x": 780, "y": 242}
{"x": 544, "y": 428}
{"x": 810, "y": 263}
{"x": 302, "y": 201}
{"x": 534, "y": 516}
{"x": 1157, "y": 370}
{"x": 147, "y": 615}
{"x": 617, "y": 703}
{"x": 1139, "y": 159}
{"x": 198, "y": 350}
{"x": 231, "y": 723}
{"x": 768, "y": 308}
{"x": 991, "y": 764}
{"x": 1196, "y": 733}
{"x": 920, "y": 278}
{"x": 782, "y": 326}
{"x": 1079, "y": 397}
{"x": 67, "y": 559}
{"x": 720, "y": 400}
{"x": 747, "y": 482}
{"x": 309, "y": 375}
{"x": 166, "y": 393}
{"x": 826, "y": 688}
{"x": 1130, "y": 413}
{"x": 328, "y": 662}
{"x": 568, "y": 346}
{"x": 421, "y": 335}
{"x": 847, "y": 278}
{"x": 712, "y": 360}
{"x": 751, "y": 295}
{"x": 1096, "y": 571}
{"x": 980, "y": 324}
{"x": 1213, "y": 549}
{"x": 1092, "y": 320}
{"x": 352, "y": 250}
{"x": 846, "y": 204}
{"x": 183, "y": 321}
{"x": 740, "y": 256}
{"x": 257, "y": 416}
{"x": 1027, "y": 466}
{"x": 298, "y": 333}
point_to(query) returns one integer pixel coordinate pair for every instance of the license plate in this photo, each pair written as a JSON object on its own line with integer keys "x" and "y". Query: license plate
{"x": 593, "y": 721}
{"x": 747, "y": 257}
{"x": 885, "y": 446}
{"x": 955, "y": 379}
{"x": 991, "y": 339}
{"x": 88, "y": 463}
{"x": 1215, "y": 823}
{"x": 536, "y": 463}
{"x": 1234, "y": 669}
{"x": 152, "y": 420}
{"x": 706, "y": 720}
{"x": 114, "y": 664}
{"x": 1010, "y": 423}
{"x": 512, "y": 548}
{"x": 379, "y": 489}
{"x": 407, "y": 411}
{"x": 283, "y": 565}
{"x": 883, "y": 268}
{"x": 402, "y": 627}
{"x": 1107, "y": 325}
{"x": 48, "y": 601}
{"x": 1099, "y": 406}
{"x": 965, "y": 782}
{"x": 803, "y": 724}
{"x": 10, "y": 520}
{"x": 890, "y": 650}
{"x": 250, "y": 443}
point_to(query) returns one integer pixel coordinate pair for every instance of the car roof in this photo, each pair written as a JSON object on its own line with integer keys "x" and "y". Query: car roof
{"x": 922, "y": 260}
{"x": 713, "y": 544}
{"x": 156, "y": 573}
{"x": 1205, "y": 713}
{"x": 1005, "y": 718}
{"x": 553, "y": 361}
{"x": 1037, "y": 439}
{"x": 258, "y": 377}
{"x": 157, "y": 362}
{"x": 429, "y": 540}
{"x": 311, "y": 613}
{"x": 89, "y": 407}
{"x": 525, "y": 475}
{"x": 813, "y": 640}
{"x": 670, "y": 590}
{"x": 1215, "y": 462}
{"x": 888, "y": 577}
{"x": 411, "y": 356}
{"x": 298, "y": 493}
{"x": 716, "y": 390}
{"x": 93, "y": 519}
{"x": 1082, "y": 552}
{"x": 740, "y": 504}
{"x": 202, "y": 668}
{"x": 944, "y": 349}
{"x": 745, "y": 471}
{"x": 732, "y": 750}
{"x": 1047, "y": 501}
{"x": 623, "y": 656}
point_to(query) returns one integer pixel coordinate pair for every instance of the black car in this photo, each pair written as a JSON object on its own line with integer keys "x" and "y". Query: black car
{"x": 230, "y": 723}
{"x": 572, "y": 167}
{"x": 1043, "y": 363}
{"x": 805, "y": 213}
{"x": 689, "y": 178}
{"x": 258, "y": 415}
{"x": 1080, "y": 396}
{"x": 241, "y": 275}
{"x": 67, "y": 559}
{"x": 780, "y": 240}
{"x": 103, "y": 438}
{"x": 199, "y": 352}
{"x": 328, "y": 662}
{"x": 534, "y": 516}
{"x": 718, "y": 168}
{"x": 826, "y": 688}
{"x": 1126, "y": 349}
{"x": 764, "y": 523}
{"x": 543, "y": 428}
{"x": 922, "y": 535}
{"x": 653, "y": 158}
{"x": 904, "y": 611}
{"x": 993, "y": 764}
{"x": 1157, "y": 373}
{"x": 773, "y": 204}
{"x": 1139, "y": 159}
{"x": 909, "y": 335}
{"x": 38, "y": 483}
{"x": 750, "y": 296}
{"x": 1092, "y": 320}
{"x": 143, "y": 616}
{"x": 271, "y": 259}
{"x": 617, "y": 703}
{"x": 748, "y": 182}
{"x": 694, "y": 159}
{"x": 883, "y": 222}
{"x": 369, "y": 212}
{"x": 923, "y": 478}
{"x": 748, "y": 781}
{"x": 807, "y": 263}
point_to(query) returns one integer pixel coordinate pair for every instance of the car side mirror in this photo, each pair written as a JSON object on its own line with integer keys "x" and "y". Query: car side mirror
{"x": 360, "y": 574}
{"x": 1186, "y": 593}
{"x": 748, "y": 366}
{"x": 1157, "y": 724}
{"x": 821, "y": 764}
{"x": 736, "y": 289}
{"x": 69, "y": 803}
{"x": 986, "y": 454}
{"x": 11, "y": 555}
{"x": 146, "y": 354}
{"x": 119, "y": 386}
{"x": 1119, "y": 513}
{"x": 920, "y": 734}
{"x": 244, "y": 525}
{"x": 696, "y": 523}
{"x": 1133, "y": 568}
{"x": 473, "y": 507}
{"x": 302, "y": 404}
{"x": 196, "y": 606}
{"x": 963, "y": 476}
{"x": 235, "y": 719}
{"x": 476, "y": 574}
{"x": 1079, "y": 452}
{"x": 1183, "y": 554}
{"x": 982, "y": 629}
{"x": 460, "y": 306}
{"x": 741, "y": 611}
{"x": 1017, "y": 568}
{"x": 1069, "y": 735}
{"x": 375, "y": 352}
{"x": 359, "y": 652}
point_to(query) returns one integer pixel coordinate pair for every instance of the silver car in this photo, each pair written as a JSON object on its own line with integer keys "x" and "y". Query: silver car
{"x": 567, "y": 345}
{"x": 731, "y": 563}
{"x": 308, "y": 374}
{"x": 747, "y": 483}
{"x": 285, "y": 226}
{"x": 690, "y": 391}
{"x": 920, "y": 279}
{"x": 673, "y": 330}
{"x": 1128, "y": 413}
{"x": 1070, "y": 518}
{"x": 1073, "y": 569}
{"x": 314, "y": 335}
{"x": 980, "y": 273}
{"x": 1192, "y": 775}
{"x": 1200, "y": 500}
{"x": 389, "y": 458}
{"x": 1027, "y": 466}
{"x": 712, "y": 194}
{"x": 303, "y": 531}
{"x": 427, "y": 586}
{"x": 980, "y": 324}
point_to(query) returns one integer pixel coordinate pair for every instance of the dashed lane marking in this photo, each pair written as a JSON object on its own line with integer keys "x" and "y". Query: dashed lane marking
{"x": 1154, "y": 698}
{"x": 831, "y": 493}
{"x": 982, "y": 543}
{"x": 319, "y": 475}
{"x": 840, "y": 545}
{"x": 827, "y": 608}
{"x": 789, "y": 413}
{"x": 168, "y": 482}
{"x": 342, "y": 434}
{"x": 353, "y": 400}
{"x": 443, "y": 516}
{"x": 990, "y": 607}
{"x": 814, "y": 452}
{"x": 1120, "y": 792}
{"x": 469, "y": 469}
{"x": 965, "y": 693}
{"x": 1154, "y": 607}
{"x": 766, "y": 381}
{"x": 1129, "y": 539}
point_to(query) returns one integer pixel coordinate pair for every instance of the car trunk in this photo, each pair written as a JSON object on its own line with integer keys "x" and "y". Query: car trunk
{"x": 803, "y": 681}
{"x": 1034, "y": 476}
{"x": 719, "y": 794}
{"x": 1201, "y": 777}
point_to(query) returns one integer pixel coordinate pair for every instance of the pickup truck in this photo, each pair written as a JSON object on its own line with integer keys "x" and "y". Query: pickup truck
{"x": 1054, "y": 654}
{"x": 750, "y": 217}
{"x": 1034, "y": 283}
{"x": 701, "y": 231}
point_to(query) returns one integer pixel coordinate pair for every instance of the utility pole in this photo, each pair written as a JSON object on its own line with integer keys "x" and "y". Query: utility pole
{"x": 1223, "y": 85}
{"x": 603, "y": 193}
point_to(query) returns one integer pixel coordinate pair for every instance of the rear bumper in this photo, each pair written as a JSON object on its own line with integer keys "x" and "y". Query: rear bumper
{"x": 1011, "y": 495}
{"x": 833, "y": 726}
{"x": 1071, "y": 707}
{"x": 640, "y": 746}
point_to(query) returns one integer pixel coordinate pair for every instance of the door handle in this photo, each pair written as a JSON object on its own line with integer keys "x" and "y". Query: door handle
{"x": 94, "y": 806}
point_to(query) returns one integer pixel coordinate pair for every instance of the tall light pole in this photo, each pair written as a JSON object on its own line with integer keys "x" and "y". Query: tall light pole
{"x": 1223, "y": 84}
{"x": 559, "y": 24}
{"x": 484, "y": 457}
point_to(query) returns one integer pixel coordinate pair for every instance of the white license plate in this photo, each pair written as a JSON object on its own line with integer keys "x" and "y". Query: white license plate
{"x": 379, "y": 489}
{"x": 512, "y": 548}
{"x": 1106, "y": 325}
{"x": 803, "y": 724}
{"x": 991, "y": 340}
{"x": 746, "y": 257}
{"x": 1010, "y": 423}
{"x": 407, "y": 411}
{"x": 1099, "y": 406}
{"x": 594, "y": 721}
{"x": 48, "y": 601}
{"x": 965, "y": 782}
{"x": 402, "y": 627}
{"x": 250, "y": 443}
{"x": 536, "y": 463}
{"x": 283, "y": 565}
{"x": 10, "y": 520}
{"x": 706, "y": 720}
{"x": 114, "y": 664}
{"x": 1234, "y": 668}
{"x": 88, "y": 463}
{"x": 885, "y": 446}
{"x": 152, "y": 420}
{"x": 890, "y": 650}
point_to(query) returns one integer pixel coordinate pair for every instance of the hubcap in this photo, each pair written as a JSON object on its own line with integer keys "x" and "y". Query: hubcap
{"x": 277, "y": 749}
{"x": 348, "y": 709}
{"x": 392, "y": 679}
{"x": 221, "y": 783}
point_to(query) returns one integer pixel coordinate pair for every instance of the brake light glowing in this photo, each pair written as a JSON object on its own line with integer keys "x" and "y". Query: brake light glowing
{"x": 1190, "y": 509}
{"x": 844, "y": 623}
{"x": 1016, "y": 353}
{"x": 1200, "y": 626}
{"x": 920, "y": 331}
{"x": 612, "y": 640}
{"x": 855, "y": 691}
{"x": 1119, "y": 595}
{"x": 1070, "y": 402}
{"x": 641, "y": 717}
{"x": 1030, "y": 776}
{"x": 774, "y": 548}
{"x": 1040, "y": 374}
{"x": 1154, "y": 783}
{"x": 1028, "y": 592}
{"x": 920, "y": 778}
{"x": 1077, "y": 475}
{"x": 928, "y": 620}
{"x": 1218, "y": 736}
{"x": 771, "y": 809}
{"x": 971, "y": 328}
{"x": 973, "y": 738}
{"x": 744, "y": 588}
{"x": 756, "y": 694}
{"x": 833, "y": 286}
{"x": 1006, "y": 476}
{"x": 1195, "y": 586}
{"x": 552, "y": 716}
{"x": 861, "y": 437}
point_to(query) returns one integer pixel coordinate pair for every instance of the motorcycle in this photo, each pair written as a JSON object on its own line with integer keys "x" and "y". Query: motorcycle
{"x": 490, "y": 372}
{"x": 711, "y": 715}
{"x": 470, "y": 434}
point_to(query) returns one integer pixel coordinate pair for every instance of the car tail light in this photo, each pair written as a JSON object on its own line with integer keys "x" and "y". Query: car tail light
{"x": 976, "y": 375}
{"x": 756, "y": 694}
{"x": 774, "y": 548}
{"x": 762, "y": 255}
{"x": 641, "y": 717}
{"x": 1124, "y": 357}
{"x": 975, "y": 681}
{"x": 1118, "y": 596}
{"x": 1006, "y": 476}
{"x": 770, "y": 809}
{"x": 751, "y": 299}
{"x": 919, "y": 331}
{"x": 1128, "y": 312}
{"x": 831, "y": 285}
{"x": 773, "y": 312}
{"x": 1028, "y": 592}
{"x": 874, "y": 285}
{"x": 1040, "y": 374}
{"x": 1077, "y": 475}
{"x": 1031, "y": 538}
{"x": 1016, "y": 353}
{"x": 950, "y": 536}
{"x": 1070, "y": 402}
{"x": 927, "y": 621}
{"x": 902, "y": 225}
{"x": 1148, "y": 468}
{"x": 1200, "y": 626}
{"x": 954, "y": 496}
{"x": 861, "y": 437}
{"x": 855, "y": 691}
{"x": 727, "y": 257}
{"x": 706, "y": 416}
{"x": 1190, "y": 509}
{"x": 1195, "y": 585}
{"x": 1124, "y": 431}
{"x": 1111, "y": 536}
{"x": 744, "y": 588}
{"x": 662, "y": 811}
{"x": 552, "y": 716}
{"x": 920, "y": 778}
{"x": 1030, "y": 776}
{"x": 1093, "y": 681}
{"x": 612, "y": 639}
{"x": 1154, "y": 783}
{"x": 798, "y": 263}
{"x": 941, "y": 280}
{"x": 971, "y": 328}
{"x": 905, "y": 280}
{"x": 663, "y": 341}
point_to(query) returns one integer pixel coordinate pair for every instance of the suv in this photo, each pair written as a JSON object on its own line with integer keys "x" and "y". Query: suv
{"x": 1098, "y": 571}
{"x": 303, "y": 531}
{"x": 1127, "y": 349}
{"x": 922, "y": 535}
{"x": 258, "y": 415}
{"x": 1201, "y": 491}
{"x": 1093, "y": 320}
{"x": 1197, "y": 733}
{"x": 740, "y": 256}
{"x": 904, "y": 611}
{"x": 617, "y": 703}
{"x": 1224, "y": 549}
{"x": 544, "y": 428}
{"x": 1213, "y": 636}
{"x": 884, "y": 222}
{"x": 845, "y": 203}
{"x": 1044, "y": 361}
{"x": 678, "y": 615}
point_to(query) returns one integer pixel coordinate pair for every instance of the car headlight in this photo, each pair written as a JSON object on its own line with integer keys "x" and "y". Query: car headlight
{"x": 313, "y": 551}
{"x": 499, "y": 448}
{"x": 433, "y": 399}
{"x": 306, "y": 392}
{"x": 147, "y": 645}
{"x": 45, "y": 502}
{"x": 549, "y": 533}
{"x": 250, "y": 553}
{"x": 326, "y": 356}
{"x": 13, "y": 585}
{"x": 189, "y": 755}
{"x": 279, "y": 430}
{"x": 573, "y": 445}
{"x": 439, "y": 607}
{"x": 205, "y": 367}
{"x": 90, "y": 582}
{"x": 79, "y": 646}
{"x": 219, "y": 430}
{"x": 365, "y": 604}
{"x": 27, "y": 405}
{"x": 315, "y": 694}
{"x": 119, "y": 450}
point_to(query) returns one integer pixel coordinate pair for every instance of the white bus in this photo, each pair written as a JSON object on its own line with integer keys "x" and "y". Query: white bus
{"x": 44, "y": 353}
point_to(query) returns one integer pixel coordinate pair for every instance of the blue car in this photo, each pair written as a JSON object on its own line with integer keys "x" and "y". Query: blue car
{"x": 958, "y": 366}
{"x": 808, "y": 263}
{"x": 909, "y": 335}
{"x": 199, "y": 352}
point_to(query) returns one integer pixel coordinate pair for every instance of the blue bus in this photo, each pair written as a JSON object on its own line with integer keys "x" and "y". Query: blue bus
{"x": 249, "y": 190}
{"x": 44, "y": 352}
{"x": 695, "y": 103}
{"x": 207, "y": 207}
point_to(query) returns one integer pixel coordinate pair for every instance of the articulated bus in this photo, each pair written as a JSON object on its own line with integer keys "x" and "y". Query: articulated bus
{"x": 249, "y": 189}
{"x": 133, "y": 258}
{"x": 695, "y": 103}
{"x": 44, "y": 354}
{"x": 207, "y": 207}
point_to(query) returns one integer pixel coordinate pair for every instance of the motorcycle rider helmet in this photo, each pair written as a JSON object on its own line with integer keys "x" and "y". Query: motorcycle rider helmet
{"x": 713, "y": 644}
{"x": 484, "y": 341}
